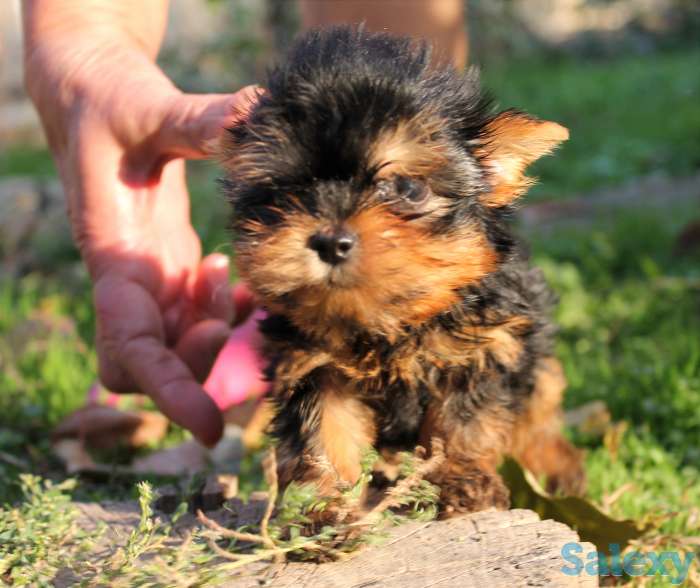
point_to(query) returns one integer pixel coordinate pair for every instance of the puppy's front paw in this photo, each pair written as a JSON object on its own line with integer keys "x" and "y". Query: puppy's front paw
{"x": 466, "y": 489}
{"x": 333, "y": 507}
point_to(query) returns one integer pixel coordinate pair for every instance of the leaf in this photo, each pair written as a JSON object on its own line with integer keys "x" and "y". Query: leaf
{"x": 100, "y": 426}
{"x": 590, "y": 522}
{"x": 74, "y": 456}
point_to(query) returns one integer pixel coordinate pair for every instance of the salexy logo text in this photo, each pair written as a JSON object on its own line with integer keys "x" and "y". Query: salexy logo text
{"x": 670, "y": 564}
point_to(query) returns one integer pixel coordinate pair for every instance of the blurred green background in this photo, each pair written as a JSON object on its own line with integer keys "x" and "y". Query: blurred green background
{"x": 611, "y": 223}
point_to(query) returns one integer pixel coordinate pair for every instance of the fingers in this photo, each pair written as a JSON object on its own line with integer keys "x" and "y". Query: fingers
{"x": 200, "y": 346}
{"x": 215, "y": 298}
{"x": 194, "y": 122}
{"x": 211, "y": 290}
{"x": 162, "y": 375}
{"x": 111, "y": 374}
{"x": 244, "y": 303}
{"x": 132, "y": 350}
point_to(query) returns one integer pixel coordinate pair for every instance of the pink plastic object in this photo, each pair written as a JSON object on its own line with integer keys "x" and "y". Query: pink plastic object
{"x": 237, "y": 372}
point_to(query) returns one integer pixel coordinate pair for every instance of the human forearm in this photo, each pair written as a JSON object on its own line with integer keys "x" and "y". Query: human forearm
{"x": 135, "y": 21}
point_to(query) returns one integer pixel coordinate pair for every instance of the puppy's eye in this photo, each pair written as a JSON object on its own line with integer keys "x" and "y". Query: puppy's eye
{"x": 412, "y": 190}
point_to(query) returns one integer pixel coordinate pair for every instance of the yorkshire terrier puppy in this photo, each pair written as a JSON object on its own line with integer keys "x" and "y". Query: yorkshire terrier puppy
{"x": 371, "y": 195}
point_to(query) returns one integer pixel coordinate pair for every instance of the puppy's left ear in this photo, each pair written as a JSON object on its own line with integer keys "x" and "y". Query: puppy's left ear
{"x": 512, "y": 141}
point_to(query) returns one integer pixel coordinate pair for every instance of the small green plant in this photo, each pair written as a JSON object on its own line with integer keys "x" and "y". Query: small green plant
{"x": 40, "y": 537}
{"x": 156, "y": 555}
{"x": 298, "y": 530}
{"x": 40, "y": 540}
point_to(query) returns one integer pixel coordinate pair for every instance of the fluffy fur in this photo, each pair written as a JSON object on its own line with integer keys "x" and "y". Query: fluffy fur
{"x": 434, "y": 325}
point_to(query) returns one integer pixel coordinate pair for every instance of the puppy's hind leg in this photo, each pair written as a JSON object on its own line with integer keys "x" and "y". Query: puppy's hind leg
{"x": 538, "y": 443}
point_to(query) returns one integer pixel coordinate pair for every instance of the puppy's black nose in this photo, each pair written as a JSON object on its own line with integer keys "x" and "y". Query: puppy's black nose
{"x": 333, "y": 246}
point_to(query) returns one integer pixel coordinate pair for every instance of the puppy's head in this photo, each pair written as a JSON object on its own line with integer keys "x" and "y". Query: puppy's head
{"x": 368, "y": 189}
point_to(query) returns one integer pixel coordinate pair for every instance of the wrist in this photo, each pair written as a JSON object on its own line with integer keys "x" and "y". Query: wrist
{"x": 101, "y": 80}
{"x": 135, "y": 22}
{"x": 61, "y": 69}
{"x": 76, "y": 51}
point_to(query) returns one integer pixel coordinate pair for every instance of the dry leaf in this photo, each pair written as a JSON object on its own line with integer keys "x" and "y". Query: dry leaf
{"x": 613, "y": 438}
{"x": 74, "y": 456}
{"x": 229, "y": 485}
{"x": 100, "y": 426}
{"x": 216, "y": 490}
{"x": 610, "y": 499}
{"x": 103, "y": 427}
{"x": 591, "y": 523}
{"x": 254, "y": 417}
{"x": 152, "y": 429}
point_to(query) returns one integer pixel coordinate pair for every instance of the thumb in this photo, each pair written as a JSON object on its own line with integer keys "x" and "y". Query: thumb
{"x": 193, "y": 122}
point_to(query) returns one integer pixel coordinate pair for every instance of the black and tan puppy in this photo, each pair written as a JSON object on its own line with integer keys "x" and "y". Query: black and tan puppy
{"x": 371, "y": 195}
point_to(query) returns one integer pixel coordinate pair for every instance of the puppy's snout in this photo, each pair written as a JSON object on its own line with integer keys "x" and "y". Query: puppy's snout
{"x": 334, "y": 245}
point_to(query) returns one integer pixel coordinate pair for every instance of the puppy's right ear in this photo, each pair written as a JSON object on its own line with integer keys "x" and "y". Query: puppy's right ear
{"x": 512, "y": 141}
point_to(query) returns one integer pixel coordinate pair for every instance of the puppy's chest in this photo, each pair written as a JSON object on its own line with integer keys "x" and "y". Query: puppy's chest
{"x": 464, "y": 368}
{"x": 430, "y": 365}
{"x": 399, "y": 383}
{"x": 440, "y": 359}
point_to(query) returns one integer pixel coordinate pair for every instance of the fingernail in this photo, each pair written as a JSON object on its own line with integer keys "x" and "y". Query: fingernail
{"x": 219, "y": 260}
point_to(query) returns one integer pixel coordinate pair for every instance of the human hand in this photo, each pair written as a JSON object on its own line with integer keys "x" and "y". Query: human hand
{"x": 119, "y": 131}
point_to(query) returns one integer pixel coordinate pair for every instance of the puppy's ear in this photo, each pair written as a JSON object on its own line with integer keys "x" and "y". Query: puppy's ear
{"x": 512, "y": 141}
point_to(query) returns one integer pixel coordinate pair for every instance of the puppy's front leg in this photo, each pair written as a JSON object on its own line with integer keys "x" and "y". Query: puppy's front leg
{"x": 468, "y": 479}
{"x": 323, "y": 430}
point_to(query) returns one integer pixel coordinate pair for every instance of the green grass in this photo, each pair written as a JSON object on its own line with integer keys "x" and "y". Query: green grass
{"x": 629, "y": 311}
{"x": 30, "y": 161}
{"x": 627, "y": 118}
{"x": 629, "y": 315}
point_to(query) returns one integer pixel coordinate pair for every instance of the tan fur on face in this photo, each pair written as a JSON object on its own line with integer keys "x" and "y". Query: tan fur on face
{"x": 280, "y": 261}
{"x": 409, "y": 149}
{"x": 514, "y": 141}
{"x": 399, "y": 274}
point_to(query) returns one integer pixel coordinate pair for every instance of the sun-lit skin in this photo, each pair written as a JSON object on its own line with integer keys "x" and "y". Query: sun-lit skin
{"x": 119, "y": 131}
